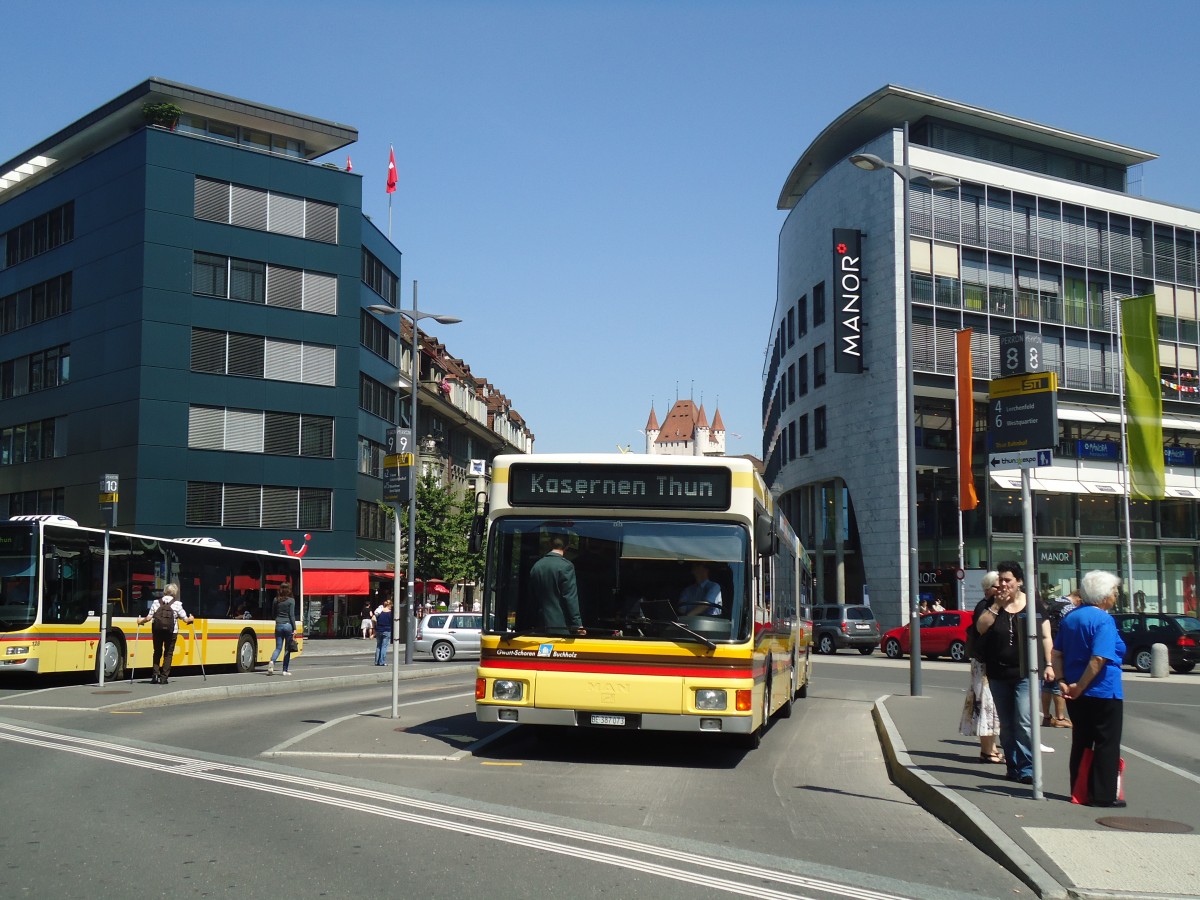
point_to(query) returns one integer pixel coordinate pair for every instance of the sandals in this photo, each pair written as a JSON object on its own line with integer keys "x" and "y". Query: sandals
{"x": 991, "y": 758}
{"x": 1060, "y": 723}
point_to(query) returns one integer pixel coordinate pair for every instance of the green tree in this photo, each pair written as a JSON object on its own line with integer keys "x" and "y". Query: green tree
{"x": 443, "y": 527}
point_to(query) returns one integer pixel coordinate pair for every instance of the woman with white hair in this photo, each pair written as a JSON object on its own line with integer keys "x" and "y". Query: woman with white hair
{"x": 979, "y": 718}
{"x": 1087, "y": 655}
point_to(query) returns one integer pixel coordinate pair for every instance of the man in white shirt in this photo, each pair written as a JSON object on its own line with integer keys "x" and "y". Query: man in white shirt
{"x": 702, "y": 597}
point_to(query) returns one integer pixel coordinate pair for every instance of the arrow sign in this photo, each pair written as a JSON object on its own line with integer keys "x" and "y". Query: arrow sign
{"x": 1020, "y": 459}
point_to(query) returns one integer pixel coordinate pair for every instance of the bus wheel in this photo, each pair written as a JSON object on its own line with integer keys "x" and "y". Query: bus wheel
{"x": 246, "y": 653}
{"x": 112, "y": 657}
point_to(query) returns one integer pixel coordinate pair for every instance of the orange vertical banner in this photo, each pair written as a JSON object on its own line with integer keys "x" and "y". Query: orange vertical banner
{"x": 966, "y": 418}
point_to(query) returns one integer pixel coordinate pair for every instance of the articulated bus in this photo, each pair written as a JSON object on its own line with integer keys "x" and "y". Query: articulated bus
{"x": 51, "y": 584}
{"x": 638, "y": 531}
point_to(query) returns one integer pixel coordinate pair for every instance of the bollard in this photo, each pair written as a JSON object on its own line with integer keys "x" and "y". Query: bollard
{"x": 1159, "y": 664}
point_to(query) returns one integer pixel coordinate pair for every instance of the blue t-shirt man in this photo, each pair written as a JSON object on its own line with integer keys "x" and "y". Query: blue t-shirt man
{"x": 1087, "y": 632}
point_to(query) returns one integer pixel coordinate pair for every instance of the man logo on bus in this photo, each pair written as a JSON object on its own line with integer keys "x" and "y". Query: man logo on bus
{"x": 545, "y": 650}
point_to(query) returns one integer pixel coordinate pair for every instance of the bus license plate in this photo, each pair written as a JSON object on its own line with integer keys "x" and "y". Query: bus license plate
{"x": 602, "y": 719}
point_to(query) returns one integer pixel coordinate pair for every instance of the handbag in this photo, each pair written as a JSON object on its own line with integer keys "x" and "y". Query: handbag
{"x": 292, "y": 646}
{"x": 1079, "y": 790}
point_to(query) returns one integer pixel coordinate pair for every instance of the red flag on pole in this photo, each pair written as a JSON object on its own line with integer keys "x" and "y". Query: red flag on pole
{"x": 349, "y": 166}
{"x": 391, "y": 182}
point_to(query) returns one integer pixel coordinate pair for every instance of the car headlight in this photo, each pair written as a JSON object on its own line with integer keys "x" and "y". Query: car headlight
{"x": 509, "y": 691}
{"x": 710, "y": 698}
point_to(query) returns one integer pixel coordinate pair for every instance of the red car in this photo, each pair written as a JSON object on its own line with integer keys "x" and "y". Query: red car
{"x": 942, "y": 634}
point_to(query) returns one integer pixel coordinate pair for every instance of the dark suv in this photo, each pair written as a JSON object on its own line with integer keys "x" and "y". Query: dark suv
{"x": 839, "y": 627}
{"x": 1141, "y": 631}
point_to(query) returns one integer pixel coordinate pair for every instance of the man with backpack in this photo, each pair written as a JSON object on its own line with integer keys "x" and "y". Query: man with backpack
{"x": 164, "y": 615}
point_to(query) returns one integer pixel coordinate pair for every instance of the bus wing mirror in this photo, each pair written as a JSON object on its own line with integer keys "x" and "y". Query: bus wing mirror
{"x": 478, "y": 523}
{"x": 764, "y": 535}
{"x": 478, "y": 526}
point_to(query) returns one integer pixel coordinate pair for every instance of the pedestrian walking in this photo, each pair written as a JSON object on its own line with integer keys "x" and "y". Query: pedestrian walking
{"x": 366, "y": 621}
{"x": 383, "y": 631}
{"x": 164, "y": 615}
{"x": 1088, "y": 653}
{"x": 284, "y": 611}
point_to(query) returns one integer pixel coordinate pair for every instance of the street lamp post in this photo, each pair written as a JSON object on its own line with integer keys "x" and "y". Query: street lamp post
{"x": 414, "y": 316}
{"x": 873, "y": 163}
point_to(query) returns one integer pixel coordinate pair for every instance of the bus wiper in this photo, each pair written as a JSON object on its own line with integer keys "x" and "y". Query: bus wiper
{"x": 699, "y": 637}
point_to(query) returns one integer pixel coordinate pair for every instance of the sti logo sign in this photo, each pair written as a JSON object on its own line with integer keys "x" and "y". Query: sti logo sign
{"x": 847, "y": 296}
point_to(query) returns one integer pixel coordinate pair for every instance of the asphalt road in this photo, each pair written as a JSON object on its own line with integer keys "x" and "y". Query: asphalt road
{"x": 322, "y": 794}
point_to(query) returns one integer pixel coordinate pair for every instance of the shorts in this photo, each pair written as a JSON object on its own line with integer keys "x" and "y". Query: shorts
{"x": 1051, "y": 687}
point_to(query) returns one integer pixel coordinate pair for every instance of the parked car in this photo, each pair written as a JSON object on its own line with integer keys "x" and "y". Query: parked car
{"x": 1141, "y": 631}
{"x": 942, "y": 634}
{"x": 841, "y": 626}
{"x": 445, "y": 635}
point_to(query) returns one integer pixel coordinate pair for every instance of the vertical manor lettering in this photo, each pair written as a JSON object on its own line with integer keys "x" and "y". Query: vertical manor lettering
{"x": 847, "y": 295}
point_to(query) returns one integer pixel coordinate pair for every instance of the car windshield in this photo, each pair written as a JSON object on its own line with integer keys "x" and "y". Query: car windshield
{"x": 683, "y": 581}
{"x": 18, "y": 586}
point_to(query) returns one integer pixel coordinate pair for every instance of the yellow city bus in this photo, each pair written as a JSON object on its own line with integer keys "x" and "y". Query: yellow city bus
{"x": 638, "y": 531}
{"x": 51, "y": 582}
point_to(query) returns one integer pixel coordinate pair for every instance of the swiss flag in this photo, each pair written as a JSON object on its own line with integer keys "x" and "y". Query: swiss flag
{"x": 391, "y": 183}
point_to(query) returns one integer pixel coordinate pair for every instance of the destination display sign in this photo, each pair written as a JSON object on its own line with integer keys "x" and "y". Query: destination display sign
{"x": 1023, "y": 412}
{"x": 620, "y": 487}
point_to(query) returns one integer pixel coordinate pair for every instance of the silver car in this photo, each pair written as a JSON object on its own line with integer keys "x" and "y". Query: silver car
{"x": 447, "y": 634}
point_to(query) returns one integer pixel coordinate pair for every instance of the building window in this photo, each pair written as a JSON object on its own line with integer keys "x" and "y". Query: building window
{"x": 802, "y": 315}
{"x": 250, "y": 281}
{"x": 791, "y": 327}
{"x": 44, "y": 300}
{"x": 377, "y": 399}
{"x": 31, "y": 441}
{"x": 377, "y": 337}
{"x": 802, "y": 376}
{"x": 251, "y": 207}
{"x": 819, "y": 436}
{"x": 791, "y": 441}
{"x": 39, "y": 235}
{"x": 379, "y": 277}
{"x": 819, "y": 365}
{"x": 38, "y": 371}
{"x": 44, "y": 502}
{"x": 802, "y": 435}
{"x": 818, "y": 301}
{"x": 374, "y": 523}
{"x": 791, "y": 384}
{"x": 259, "y": 431}
{"x": 253, "y": 356}
{"x": 258, "y": 506}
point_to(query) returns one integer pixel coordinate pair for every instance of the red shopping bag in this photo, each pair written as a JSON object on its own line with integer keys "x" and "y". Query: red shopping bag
{"x": 1079, "y": 790}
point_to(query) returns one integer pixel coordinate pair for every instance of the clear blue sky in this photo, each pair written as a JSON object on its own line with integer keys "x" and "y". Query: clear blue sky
{"x": 591, "y": 186}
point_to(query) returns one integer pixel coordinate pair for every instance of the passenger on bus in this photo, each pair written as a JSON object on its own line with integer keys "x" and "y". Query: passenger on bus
{"x": 703, "y": 596}
{"x": 555, "y": 593}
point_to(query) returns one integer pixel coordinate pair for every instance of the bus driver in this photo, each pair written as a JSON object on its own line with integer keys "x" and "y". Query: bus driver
{"x": 703, "y": 596}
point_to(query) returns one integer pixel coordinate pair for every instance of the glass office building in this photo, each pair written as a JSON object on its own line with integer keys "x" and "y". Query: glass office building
{"x": 1042, "y": 232}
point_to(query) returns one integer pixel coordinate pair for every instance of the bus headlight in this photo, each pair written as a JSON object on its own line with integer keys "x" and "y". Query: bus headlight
{"x": 16, "y": 651}
{"x": 710, "y": 698}
{"x": 509, "y": 691}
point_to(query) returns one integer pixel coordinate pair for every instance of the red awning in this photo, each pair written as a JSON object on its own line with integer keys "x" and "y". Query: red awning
{"x": 336, "y": 581}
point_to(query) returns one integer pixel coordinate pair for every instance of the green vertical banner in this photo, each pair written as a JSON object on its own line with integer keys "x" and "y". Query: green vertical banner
{"x": 1143, "y": 398}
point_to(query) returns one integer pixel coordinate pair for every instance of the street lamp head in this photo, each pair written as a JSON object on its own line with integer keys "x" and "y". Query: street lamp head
{"x": 941, "y": 182}
{"x": 868, "y": 161}
{"x": 447, "y": 320}
{"x": 383, "y": 309}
